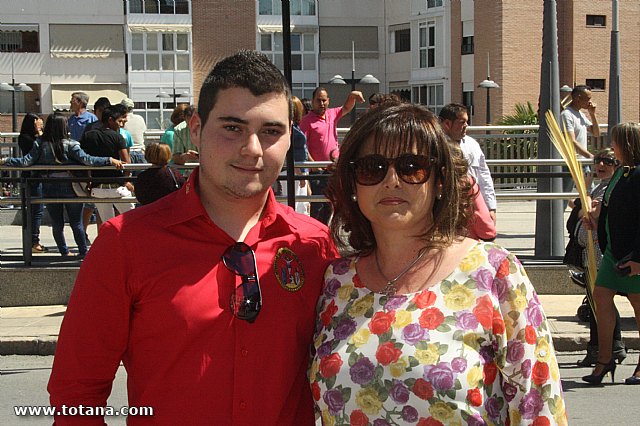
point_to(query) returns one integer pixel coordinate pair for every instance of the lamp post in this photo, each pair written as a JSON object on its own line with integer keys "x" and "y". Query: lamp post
{"x": 367, "y": 79}
{"x": 13, "y": 88}
{"x": 488, "y": 84}
{"x": 164, "y": 95}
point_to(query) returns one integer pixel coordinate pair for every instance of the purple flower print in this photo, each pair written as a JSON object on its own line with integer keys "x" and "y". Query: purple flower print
{"x": 525, "y": 369}
{"x": 496, "y": 256}
{"x": 466, "y": 320}
{"x": 493, "y": 407}
{"x": 409, "y": 414}
{"x": 459, "y": 364}
{"x": 515, "y": 351}
{"x": 362, "y": 371}
{"x": 399, "y": 392}
{"x": 341, "y": 266}
{"x": 345, "y": 328}
{"x": 533, "y": 313}
{"x": 331, "y": 287}
{"x": 483, "y": 278}
{"x": 500, "y": 289}
{"x": 413, "y": 333}
{"x": 394, "y": 302}
{"x": 333, "y": 399}
{"x": 476, "y": 420}
{"x": 325, "y": 349}
{"x": 531, "y": 404}
{"x": 381, "y": 422}
{"x": 487, "y": 353}
{"x": 440, "y": 376}
{"x": 509, "y": 390}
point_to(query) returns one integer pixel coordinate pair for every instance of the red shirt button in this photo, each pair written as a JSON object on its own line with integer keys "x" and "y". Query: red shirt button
{"x": 244, "y": 352}
{"x": 243, "y": 405}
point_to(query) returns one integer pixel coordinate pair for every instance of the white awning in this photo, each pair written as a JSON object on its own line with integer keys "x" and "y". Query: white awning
{"x": 294, "y": 28}
{"x": 19, "y": 27}
{"x": 159, "y": 28}
{"x": 85, "y": 41}
{"x": 61, "y": 94}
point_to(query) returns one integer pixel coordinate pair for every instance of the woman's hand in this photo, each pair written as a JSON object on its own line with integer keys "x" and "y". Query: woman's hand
{"x": 117, "y": 163}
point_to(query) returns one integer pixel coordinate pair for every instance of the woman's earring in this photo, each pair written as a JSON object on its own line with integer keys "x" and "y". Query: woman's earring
{"x": 439, "y": 196}
{"x": 354, "y": 198}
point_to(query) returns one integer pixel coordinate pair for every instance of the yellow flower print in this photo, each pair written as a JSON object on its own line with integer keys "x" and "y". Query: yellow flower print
{"x": 428, "y": 356}
{"x": 403, "y": 319}
{"x": 441, "y": 412}
{"x": 361, "y": 306}
{"x": 399, "y": 368}
{"x": 459, "y": 298}
{"x": 518, "y": 301}
{"x": 472, "y": 260}
{"x": 344, "y": 292}
{"x": 508, "y": 326}
{"x": 319, "y": 340}
{"x": 543, "y": 351}
{"x": 473, "y": 376}
{"x": 554, "y": 370}
{"x": 515, "y": 417}
{"x": 360, "y": 337}
{"x": 455, "y": 422}
{"x": 471, "y": 340}
{"x": 327, "y": 418}
{"x": 560, "y": 415}
{"x": 369, "y": 401}
{"x": 313, "y": 371}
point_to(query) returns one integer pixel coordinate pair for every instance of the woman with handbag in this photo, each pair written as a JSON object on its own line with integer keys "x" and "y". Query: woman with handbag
{"x": 55, "y": 148}
{"x": 619, "y": 237}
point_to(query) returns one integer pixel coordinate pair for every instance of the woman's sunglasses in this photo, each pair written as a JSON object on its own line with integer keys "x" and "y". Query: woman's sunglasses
{"x": 605, "y": 160}
{"x": 411, "y": 168}
{"x": 246, "y": 299}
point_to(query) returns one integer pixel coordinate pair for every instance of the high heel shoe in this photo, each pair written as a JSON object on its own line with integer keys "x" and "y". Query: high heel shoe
{"x": 633, "y": 380}
{"x": 596, "y": 379}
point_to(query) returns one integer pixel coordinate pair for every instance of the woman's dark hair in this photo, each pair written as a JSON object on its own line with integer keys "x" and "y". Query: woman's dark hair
{"x": 627, "y": 138}
{"x": 28, "y": 126}
{"x": 55, "y": 132}
{"x": 398, "y": 129}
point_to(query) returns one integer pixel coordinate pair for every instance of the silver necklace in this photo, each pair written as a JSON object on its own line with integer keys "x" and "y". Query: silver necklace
{"x": 390, "y": 288}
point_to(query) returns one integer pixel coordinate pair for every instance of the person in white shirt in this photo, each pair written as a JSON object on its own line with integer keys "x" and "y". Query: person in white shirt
{"x": 454, "y": 120}
{"x": 136, "y": 126}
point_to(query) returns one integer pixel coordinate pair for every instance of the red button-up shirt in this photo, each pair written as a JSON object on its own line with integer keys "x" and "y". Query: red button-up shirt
{"x": 154, "y": 293}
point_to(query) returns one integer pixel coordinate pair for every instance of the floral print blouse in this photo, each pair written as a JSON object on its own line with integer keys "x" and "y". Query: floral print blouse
{"x": 473, "y": 349}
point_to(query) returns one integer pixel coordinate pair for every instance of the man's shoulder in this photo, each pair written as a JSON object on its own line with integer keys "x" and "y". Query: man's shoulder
{"x": 302, "y": 221}
{"x": 470, "y": 141}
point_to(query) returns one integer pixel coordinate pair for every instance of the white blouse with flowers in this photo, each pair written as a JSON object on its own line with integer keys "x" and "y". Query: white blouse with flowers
{"x": 473, "y": 349}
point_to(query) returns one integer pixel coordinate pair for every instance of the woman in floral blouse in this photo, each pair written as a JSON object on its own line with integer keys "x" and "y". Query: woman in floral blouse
{"x": 421, "y": 325}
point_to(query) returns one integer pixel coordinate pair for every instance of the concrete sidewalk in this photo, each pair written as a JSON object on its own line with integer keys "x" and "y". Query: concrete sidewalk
{"x": 33, "y": 330}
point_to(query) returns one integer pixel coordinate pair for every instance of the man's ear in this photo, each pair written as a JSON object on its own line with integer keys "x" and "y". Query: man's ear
{"x": 446, "y": 125}
{"x": 195, "y": 129}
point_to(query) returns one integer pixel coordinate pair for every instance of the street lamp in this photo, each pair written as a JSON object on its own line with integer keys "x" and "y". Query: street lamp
{"x": 488, "y": 84}
{"x": 367, "y": 79}
{"x": 566, "y": 95}
{"x": 13, "y": 88}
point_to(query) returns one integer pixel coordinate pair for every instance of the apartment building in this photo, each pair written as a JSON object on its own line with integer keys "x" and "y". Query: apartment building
{"x": 158, "y": 52}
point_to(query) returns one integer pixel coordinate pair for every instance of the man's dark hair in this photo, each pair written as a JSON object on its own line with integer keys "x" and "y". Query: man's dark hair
{"x": 452, "y": 111}
{"x": 246, "y": 69}
{"x": 316, "y": 90}
{"x": 114, "y": 111}
{"x": 578, "y": 90}
{"x": 101, "y": 103}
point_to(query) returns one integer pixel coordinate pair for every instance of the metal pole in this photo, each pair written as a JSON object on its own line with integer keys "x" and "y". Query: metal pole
{"x": 353, "y": 78}
{"x": 615, "y": 94}
{"x": 14, "y": 118}
{"x": 286, "y": 46}
{"x": 488, "y": 105}
{"x": 549, "y": 239}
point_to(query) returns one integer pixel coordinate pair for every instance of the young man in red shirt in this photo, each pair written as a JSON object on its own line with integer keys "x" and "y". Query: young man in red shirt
{"x": 208, "y": 295}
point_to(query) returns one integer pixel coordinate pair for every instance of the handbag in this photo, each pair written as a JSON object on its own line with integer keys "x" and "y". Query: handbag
{"x": 573, "y": 254}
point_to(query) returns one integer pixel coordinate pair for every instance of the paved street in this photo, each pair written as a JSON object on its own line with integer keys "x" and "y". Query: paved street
{"x": 24, "y": 379}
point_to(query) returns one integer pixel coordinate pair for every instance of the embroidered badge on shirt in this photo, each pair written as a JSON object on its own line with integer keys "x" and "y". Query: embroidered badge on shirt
{"x": 288, "y": 270}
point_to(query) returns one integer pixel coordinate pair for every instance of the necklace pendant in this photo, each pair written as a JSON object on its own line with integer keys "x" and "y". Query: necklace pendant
{"x": 390, "y": 289}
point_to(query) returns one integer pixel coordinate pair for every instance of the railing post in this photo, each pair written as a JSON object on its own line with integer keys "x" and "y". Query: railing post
{"x": 25, "y": 198}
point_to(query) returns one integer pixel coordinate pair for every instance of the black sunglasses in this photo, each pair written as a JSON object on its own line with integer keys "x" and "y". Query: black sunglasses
{"x": 411, "y": 168}
{"x": 246, "y": 300}
{"x": 605, "y": 160}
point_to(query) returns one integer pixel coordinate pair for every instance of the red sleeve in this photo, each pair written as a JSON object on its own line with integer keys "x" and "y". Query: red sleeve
{"x": 481, "y": 225}
{"x": 95, "y": 330}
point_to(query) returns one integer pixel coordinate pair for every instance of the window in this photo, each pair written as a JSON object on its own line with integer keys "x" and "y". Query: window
{"x": 19, "y": 38}
{"x": 596, "y": 84}
{"x": 303, "y": 57}
{"x": 467, "y": 45}
{"x": 467, "y": 100}
{"x": 402, "y": 40}
{"x": 303, "y": 90}
{"x": 296, "y": 7}
{"x": 596, "y": 21}
{"x": 434, "y": 3}
{"x": 427, "y": 44}
{"x": 160, "y": 51}
{"x": 431, "y": 95}
{"x": 164, "y": 7}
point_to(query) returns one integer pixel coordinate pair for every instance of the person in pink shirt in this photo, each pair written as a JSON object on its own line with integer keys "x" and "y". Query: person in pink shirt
{"x": 320, "y": 126}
